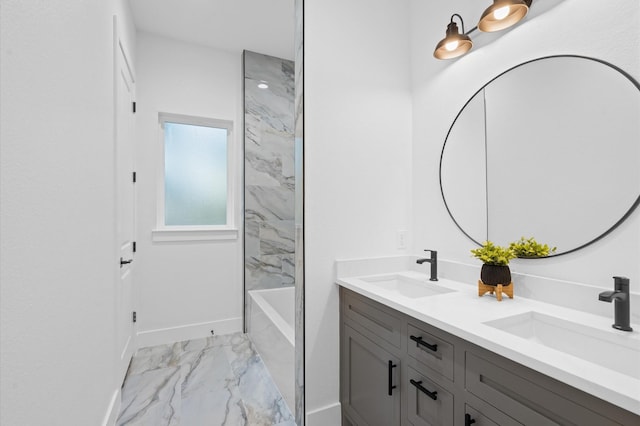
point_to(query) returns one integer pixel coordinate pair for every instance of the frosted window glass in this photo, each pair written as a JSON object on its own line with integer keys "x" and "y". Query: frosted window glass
{"x": 195, "y": 175}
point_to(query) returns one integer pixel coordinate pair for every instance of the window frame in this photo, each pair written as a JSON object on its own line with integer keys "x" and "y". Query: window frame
{"x": 168, "y": 233}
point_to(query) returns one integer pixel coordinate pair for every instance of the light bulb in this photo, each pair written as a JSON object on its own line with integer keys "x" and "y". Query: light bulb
{"x": 451, "y": 46}
{"x": 501, "y": 13}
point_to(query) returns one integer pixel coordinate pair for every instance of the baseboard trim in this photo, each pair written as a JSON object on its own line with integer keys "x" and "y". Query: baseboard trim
{"x": 329, "y": 415}
{"x": 187, "y": 332}
{"x": 113, "y": 410}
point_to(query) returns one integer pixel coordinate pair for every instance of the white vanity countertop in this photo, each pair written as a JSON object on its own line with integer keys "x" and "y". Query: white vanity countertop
{"x": 462, "y": 313}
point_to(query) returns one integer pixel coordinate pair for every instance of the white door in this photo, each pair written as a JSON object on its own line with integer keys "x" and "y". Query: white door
{"x": 125, "y": 208}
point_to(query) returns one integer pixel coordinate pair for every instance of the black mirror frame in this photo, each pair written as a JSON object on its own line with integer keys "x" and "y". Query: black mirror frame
{"x": 601, "y": 236}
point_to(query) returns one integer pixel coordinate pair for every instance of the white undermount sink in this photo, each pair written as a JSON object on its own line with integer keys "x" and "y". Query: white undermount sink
{"x": 406, "y": 286}
{"x": 616, "y": 350}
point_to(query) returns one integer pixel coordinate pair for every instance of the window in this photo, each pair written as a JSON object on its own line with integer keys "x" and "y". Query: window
{"x": 194, "y": 187}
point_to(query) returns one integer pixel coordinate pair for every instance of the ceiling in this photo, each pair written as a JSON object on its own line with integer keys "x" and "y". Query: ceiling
{"x": 263, "y": 26}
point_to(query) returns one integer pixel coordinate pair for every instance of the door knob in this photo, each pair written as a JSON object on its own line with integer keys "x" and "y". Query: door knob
{"x": 125, "y": 262}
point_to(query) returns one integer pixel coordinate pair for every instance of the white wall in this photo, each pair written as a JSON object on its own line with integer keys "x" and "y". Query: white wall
{"x": 357, "y": 163}
{"x": 58, "y": 263}
{"x": 371, "y": 160}
{"x": 584, "y": 27}
{"x": 185, "y": 289}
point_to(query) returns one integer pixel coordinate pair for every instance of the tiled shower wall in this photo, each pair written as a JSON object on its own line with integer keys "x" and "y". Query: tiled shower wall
{"x": 269, "y": 172}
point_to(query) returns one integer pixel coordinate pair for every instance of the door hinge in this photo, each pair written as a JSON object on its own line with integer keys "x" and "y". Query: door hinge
{"x": 135, "y": 177}
{"x": 134, "y": 107}
{"x": 134, "y": 247}
{"x": 134, "y": 316}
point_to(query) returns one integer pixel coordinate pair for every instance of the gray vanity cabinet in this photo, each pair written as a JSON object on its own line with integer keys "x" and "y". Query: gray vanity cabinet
{"x": 370, "y": 360}
{"x": 430, "y": 376}
{"x": 379, "y": 323}
{"x": 430, "y": 351}
{"x": 429, "y": 403}
{"x": 532, "y": 398}
{"x": 476, "y": 417}
{"x": 370, "y": 384}
{"x": 396, "y": 370}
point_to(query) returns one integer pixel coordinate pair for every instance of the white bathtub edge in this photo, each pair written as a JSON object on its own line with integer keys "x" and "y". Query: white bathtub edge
{"x": 329, "y": 415}
{"x": 286, "y": 328}
{"x": 273, "y": 338}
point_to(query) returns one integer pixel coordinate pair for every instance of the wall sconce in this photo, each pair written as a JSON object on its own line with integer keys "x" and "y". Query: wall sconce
{"x": 500, "y": 15}
{"x": 503, "y": 14}
{"x": 454, "y": 44}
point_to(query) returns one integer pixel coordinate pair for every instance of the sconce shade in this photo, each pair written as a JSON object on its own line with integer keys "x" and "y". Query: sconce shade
{"x": 503, "y": 14}
{"x": 454, "y": 44}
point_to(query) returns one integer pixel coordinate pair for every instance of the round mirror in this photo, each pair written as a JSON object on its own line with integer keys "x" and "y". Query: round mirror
{"x": 548, "y": 149}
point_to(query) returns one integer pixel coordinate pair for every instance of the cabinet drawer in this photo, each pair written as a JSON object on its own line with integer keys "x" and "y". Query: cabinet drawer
{"x": 429, "y": 404}
{"x": 524, "y": 400}
{"x": 376, "y": 320}
{"x": 480, "y": 418}
{"x": 431, "y": 351}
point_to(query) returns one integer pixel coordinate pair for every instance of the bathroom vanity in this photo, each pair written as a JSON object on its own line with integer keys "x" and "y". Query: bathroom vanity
{"x": 420, "y": 353}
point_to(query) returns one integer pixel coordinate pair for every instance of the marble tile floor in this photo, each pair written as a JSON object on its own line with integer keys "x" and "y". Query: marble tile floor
{"x": 219, "y": 380}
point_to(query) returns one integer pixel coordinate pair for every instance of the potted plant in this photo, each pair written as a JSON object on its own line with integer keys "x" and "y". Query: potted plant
{"x": 529, "y": 248}
{"x": 495, "y": 263}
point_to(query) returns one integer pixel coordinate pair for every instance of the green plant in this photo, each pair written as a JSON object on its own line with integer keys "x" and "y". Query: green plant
{"x": 529, "y": 247}
{"x": 492, "y": 254}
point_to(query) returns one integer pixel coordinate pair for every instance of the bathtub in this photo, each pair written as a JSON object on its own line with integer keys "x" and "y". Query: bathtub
{"x": 271, "y": 329}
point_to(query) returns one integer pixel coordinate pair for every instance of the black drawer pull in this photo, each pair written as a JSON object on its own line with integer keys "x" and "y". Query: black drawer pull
{"x": 391, "y": 385}
{"x": 419, "y": 342}
{"x": 433, "y": 395}
{"x": 468, "y": 421}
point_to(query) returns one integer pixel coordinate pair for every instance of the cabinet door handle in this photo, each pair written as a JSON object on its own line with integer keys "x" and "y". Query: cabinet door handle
{"x": 391, "y": 386}
{"x": 468, "y": 421}
{"x": 419, "y": 342}
{"x": 433, "y": 395}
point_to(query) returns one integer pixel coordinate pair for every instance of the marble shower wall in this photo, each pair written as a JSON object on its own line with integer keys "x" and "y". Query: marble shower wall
{"x": 269, "y": 211}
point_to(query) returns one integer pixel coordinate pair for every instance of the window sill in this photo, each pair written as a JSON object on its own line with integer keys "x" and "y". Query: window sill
{"x": 161, "y": 235}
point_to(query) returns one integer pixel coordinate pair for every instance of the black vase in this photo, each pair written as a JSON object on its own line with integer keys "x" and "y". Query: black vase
{"x": 495, "y": 274}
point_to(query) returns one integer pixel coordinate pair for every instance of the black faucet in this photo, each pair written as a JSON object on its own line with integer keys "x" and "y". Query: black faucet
{"x": 433, "y": 260}
{"x": 621, "y": 296}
